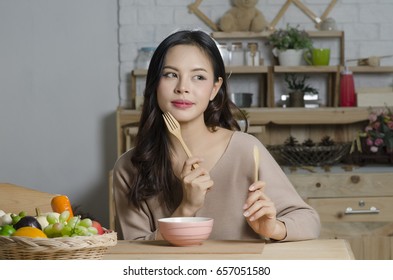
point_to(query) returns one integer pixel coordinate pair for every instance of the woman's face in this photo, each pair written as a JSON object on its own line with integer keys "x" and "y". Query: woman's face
{"x": 187, "y": 83}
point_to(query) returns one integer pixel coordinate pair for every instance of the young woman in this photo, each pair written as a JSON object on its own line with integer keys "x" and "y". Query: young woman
{"x": 156, "y": 179}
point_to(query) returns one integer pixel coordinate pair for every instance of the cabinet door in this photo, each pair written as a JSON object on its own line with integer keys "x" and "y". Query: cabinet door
{"x": 354, "y": 209}
{"x": 366, "y": 222}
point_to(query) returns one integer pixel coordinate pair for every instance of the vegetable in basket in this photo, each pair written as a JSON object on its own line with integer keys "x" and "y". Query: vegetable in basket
{"x": 61, "y": 203}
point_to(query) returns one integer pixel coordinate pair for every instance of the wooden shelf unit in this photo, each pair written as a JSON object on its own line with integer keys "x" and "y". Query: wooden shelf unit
{"x": 276, "y": 124}
{"x": 332, "y": 72}
{"x": 281, "y": 116}
{"x": 263, "y": 35}
{"x": 268, "y": 73}
{"x": 332, "y": 84}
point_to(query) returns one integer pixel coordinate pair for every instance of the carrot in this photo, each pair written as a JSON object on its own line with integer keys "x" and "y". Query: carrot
{"x": 60, "y": 204}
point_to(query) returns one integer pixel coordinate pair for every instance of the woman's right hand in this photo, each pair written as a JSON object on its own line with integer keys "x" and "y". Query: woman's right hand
{"x": 196, "y": 183}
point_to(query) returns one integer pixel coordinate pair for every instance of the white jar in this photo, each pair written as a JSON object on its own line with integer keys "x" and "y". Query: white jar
{"x": 237, "y": 54}
{"x": 223, "y": 48}
{"x": 144, "y": 56}
{"x": 252, "y": 55}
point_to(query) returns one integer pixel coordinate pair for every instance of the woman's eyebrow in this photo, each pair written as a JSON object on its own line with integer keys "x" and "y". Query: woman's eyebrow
{"x": 199, "y": 69}
{"x": 170, "y": 67}
{"x": 192, "y": 70}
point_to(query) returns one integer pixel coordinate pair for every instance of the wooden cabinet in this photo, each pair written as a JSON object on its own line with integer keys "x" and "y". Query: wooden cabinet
{"x": 268, "y": 74}
{"x": 274, "y": 71}
{"x": 357, "y": 206}
{"x": 273, "y": 125}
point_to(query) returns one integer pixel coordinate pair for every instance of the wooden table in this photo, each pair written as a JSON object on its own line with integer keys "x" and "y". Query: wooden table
{"x": 329, "y": 249}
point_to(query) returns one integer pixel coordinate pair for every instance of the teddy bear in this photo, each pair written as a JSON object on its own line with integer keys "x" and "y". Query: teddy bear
{"x": 243, "y": 16}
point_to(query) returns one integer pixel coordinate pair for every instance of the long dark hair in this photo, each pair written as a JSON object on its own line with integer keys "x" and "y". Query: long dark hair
{"x": 151, "y": 155}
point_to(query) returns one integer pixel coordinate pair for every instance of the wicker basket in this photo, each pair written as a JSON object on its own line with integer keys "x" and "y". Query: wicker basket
{"x": 61, "y": 248}
{"x": 309, "y": 156}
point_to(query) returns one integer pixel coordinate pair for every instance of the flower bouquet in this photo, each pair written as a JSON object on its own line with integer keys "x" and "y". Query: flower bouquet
{"x": 376, "y": 140}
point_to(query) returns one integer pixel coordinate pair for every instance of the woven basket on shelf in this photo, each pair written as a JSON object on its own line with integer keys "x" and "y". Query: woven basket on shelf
{"x": 309, "y": 156}
{"x": 61, "y": 248}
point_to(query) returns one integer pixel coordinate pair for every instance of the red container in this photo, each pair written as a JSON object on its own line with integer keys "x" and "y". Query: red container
{"x": 347, "y": 89}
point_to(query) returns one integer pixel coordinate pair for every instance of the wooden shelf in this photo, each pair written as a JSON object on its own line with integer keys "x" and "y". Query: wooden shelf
{"x": 273, "y": 123}
{"x": 371, "y": 69}
{"x": 326, "y": 34}
{"x": 139, "y": 72}
{"x": 247, "y": 69}
{"x": 303, "y": 116}
{"x": 127, "y": 116}
{"x": 240, "y": 35}
{"x": 284, "y": 116}
{"x": 306, "y": 69}
{"x": 265, "y": 34}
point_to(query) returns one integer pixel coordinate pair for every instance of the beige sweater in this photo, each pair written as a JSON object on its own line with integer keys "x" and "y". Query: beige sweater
{"x": 232, "y": 175}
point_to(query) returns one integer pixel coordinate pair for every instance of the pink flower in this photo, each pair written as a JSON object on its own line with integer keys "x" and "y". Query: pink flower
{"x": 380, "y": 111}
{"x": 376, "y": 125}
{"x": 378, "y": 142}
{"x": 372, "y": 117}
{"x": 368, "y": 128}
{"x": 378, "y": 133}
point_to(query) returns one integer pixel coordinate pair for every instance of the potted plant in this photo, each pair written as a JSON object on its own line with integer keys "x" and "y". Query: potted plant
{"x": 289, "y": 44}
{"x": 298, "y": 87}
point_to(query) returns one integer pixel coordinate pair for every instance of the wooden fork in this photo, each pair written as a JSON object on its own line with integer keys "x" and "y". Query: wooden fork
{"x": 174, "y": 127}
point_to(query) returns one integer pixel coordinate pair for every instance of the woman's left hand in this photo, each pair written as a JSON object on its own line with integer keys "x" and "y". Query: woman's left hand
{"x": 260, "y": 213}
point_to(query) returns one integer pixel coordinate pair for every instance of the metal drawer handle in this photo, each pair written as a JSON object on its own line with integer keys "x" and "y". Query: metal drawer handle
{"x": 372, "y": 210}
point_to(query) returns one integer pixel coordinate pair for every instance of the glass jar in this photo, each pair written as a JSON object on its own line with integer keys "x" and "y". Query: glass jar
{"x": 252, "y": 55}
{"x": 237, "y": 54}
{"x": 223, "y": 48}
{"x": 144, "y": 56}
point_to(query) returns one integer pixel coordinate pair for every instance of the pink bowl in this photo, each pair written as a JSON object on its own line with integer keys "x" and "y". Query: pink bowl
{"x": 185, "y": 231}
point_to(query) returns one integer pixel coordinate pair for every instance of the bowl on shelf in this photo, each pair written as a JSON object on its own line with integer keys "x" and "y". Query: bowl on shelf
{"x": 185, "y": 231}
{"x": 242, "y": 99}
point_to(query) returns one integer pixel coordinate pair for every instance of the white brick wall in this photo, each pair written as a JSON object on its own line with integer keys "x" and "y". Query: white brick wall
{"x": 368, "y": 27}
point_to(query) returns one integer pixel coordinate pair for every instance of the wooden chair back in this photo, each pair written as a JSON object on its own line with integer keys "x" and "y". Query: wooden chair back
{"x": 112, "y": 208}
{"x": 14, "y": 199}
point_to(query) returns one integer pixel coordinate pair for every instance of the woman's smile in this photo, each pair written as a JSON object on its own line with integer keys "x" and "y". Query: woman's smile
{"x": 182, "y": 103}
